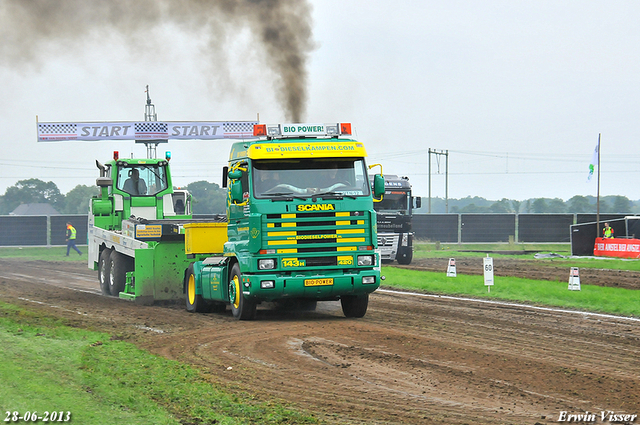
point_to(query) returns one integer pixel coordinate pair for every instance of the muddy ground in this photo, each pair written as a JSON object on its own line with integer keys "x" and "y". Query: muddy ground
{"x": 410, "y": 360}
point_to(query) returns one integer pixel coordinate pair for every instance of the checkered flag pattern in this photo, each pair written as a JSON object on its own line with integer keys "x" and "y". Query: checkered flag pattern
{"x": 151, "y": 127}
{"x": 238, "y": 127}
{"x": 57, "y": 129}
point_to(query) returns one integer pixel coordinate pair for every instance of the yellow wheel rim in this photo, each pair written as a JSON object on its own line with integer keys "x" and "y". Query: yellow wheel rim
{"x": 191, "y": 289}
{"x": 238, "y": 294}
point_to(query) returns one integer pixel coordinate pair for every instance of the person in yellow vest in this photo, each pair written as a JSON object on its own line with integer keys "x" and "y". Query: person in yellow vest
{"x": 607, "y": 232}
{"x": 71, "y": 239}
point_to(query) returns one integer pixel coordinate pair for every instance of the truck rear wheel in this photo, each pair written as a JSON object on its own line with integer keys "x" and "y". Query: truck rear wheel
{"x": 119, "y": 265}
{"x": 104, "y": 272}
{"x": 195, "y": 302}
{"x": 241, "y": 308}
{"x": 354, "y": 305}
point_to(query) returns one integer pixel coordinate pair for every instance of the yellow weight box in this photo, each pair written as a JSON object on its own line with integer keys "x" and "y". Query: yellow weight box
{"x": 205, "y": 238}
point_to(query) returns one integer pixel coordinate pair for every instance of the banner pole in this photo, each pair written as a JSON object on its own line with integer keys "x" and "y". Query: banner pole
{"x": 598, "y": 193}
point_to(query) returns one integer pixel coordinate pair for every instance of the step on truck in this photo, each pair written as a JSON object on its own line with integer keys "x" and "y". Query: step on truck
{"x": 300, "y": 226}
{"x": 395, "y": 215}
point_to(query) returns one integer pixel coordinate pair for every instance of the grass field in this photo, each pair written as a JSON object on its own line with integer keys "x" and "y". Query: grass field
{"x": 54, "y": 253}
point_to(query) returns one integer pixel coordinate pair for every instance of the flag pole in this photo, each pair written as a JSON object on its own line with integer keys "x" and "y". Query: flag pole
{"x": 598, "y": 193}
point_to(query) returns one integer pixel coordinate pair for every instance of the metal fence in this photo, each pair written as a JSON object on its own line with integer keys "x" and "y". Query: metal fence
{"x": 40, "y": 230}
{"x": 446, "y": 228}
{"x": 496, "y": 228}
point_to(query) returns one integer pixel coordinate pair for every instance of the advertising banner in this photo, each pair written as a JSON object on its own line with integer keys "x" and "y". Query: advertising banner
{"x": 616, "y": 247}
{"x": 144, "y": 130}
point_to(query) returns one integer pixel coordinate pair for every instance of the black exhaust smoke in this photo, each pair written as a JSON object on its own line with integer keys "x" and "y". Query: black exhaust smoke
{"x": 281, "y": 28}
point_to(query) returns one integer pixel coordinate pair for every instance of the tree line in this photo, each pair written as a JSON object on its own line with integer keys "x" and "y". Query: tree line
{"x": 207, "y": 198}
{"x": 210, "y": 198}
{"x": 578, "y": 204}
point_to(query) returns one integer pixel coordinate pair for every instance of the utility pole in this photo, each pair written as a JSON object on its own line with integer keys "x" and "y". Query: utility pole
{"x": 446, "y": 178}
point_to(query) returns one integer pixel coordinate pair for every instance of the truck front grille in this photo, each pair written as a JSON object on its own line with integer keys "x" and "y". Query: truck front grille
{"x": 316, "y": 233}
{"x": 388, "y": 240}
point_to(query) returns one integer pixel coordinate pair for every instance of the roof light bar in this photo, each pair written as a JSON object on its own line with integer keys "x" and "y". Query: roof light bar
{"x": 280, "y": 131}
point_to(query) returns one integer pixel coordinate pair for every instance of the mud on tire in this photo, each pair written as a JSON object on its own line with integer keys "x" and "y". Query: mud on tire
{"x": 119, "y": 265}
{"x": 104, "y": 271}
{"x": 354, "y": 305}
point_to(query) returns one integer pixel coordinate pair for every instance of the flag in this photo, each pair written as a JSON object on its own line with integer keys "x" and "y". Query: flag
{"x": 594, "y": 160}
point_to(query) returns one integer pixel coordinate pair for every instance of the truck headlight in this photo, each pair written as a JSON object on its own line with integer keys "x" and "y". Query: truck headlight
{"x": 367, "y": 280}
{"x": 266, "y": 264}
{"x": 405, "y": 239}
{"x": 365, "y": 260}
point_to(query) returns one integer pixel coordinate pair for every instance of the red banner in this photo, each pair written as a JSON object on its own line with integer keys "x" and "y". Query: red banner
{"x": 613, "y": 247}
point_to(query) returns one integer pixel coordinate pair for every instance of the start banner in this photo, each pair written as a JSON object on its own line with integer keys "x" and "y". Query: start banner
{"x": 144, "y": 130}
{"x": 614, "y": 247}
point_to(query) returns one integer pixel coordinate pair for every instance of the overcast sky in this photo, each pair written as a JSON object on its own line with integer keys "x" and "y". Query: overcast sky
{"x": 516, "y": 91}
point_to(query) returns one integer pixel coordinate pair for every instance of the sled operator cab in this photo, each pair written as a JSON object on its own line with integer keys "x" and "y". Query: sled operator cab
{"x": 141, "y": 188}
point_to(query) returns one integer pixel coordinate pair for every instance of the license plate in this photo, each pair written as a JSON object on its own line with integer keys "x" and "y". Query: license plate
{"x": 318, "y": 282}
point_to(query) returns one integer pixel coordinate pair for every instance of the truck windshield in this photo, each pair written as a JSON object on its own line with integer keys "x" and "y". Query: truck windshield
{"x": 393, "y": 201}
{"x": 343, "y": 176}
{"x": 141, "y": 180}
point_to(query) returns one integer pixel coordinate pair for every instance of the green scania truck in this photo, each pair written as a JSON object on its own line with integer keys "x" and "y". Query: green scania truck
{"x": 300, "y": 224}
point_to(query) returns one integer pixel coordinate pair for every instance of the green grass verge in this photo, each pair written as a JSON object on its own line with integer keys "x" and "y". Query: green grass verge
{"x": 47, "y": 365}
{"x": 552, "y": 293}
{"x": 53, "y": 253}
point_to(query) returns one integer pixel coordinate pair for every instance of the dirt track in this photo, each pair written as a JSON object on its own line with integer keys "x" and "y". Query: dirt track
{"x": 410, "y": 360}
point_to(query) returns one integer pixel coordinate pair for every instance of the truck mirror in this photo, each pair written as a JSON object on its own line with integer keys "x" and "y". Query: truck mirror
{"x": 378, "y": 185}
{"x": 418, "y": 201}
{"x": 236, "y": 191}
{"x": 104, "y": 182}
{"x": 225, "y": 173}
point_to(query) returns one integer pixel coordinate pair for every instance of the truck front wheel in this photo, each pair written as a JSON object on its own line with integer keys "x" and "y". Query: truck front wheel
{"x": 195, "y": 302}
{"x": 104, "y": 272}
{"x": 241, "y": 308}
{"x": 354, "y": 305}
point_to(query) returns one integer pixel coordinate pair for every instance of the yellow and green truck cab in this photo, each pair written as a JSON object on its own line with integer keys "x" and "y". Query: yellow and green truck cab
{"x": 301, "y": 224}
